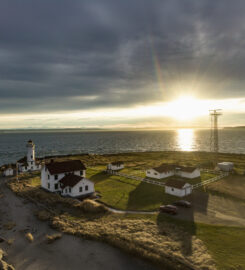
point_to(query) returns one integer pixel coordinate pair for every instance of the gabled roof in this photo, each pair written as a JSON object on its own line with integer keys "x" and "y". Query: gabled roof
{"x": 70, "y": 180}
{"x": 65, "y": 166}
{"x": 164, "y": 168}
{"x": 186, "y": 169}
{"x": 117, "y": 163}
{"x": 22, "y": 160}
{"x": 171, "y": 167}
{"x": 176, "y": 183}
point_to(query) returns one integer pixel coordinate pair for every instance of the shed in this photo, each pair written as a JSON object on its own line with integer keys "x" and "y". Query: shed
{"x": 226, "y": 166}
{"x": 178, "y": 187}
{"x": 115, "y": 166}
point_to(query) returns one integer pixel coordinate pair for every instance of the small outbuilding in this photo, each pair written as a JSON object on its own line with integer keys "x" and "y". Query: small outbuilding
{"x": 226, "y": 166}
{"x": 167, "y": 170}
{"x": 9, "y": 170}
{"x": 115, "y": 166}
{"x": 162, "y": 171}
{"x": 178, "y": 187}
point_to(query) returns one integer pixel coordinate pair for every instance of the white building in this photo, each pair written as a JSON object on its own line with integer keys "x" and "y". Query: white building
{"x": 115, "y": 166}
{"x": 66, "y": 178}
{"x": 187, "y": 172}
{"x": 178, "y": 188}
{"x": 226, "y": 166}
{"x": 9, "y": 170}
{"x": 163, "y": 171}
{"x": 167, "y": 170}
{"x": 29, "y": 162}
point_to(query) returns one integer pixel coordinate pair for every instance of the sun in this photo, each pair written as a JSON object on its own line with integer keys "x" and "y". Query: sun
{"x": 186, "y": 108}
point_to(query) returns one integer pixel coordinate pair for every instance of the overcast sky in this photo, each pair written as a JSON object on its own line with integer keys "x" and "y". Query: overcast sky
{"x": 64, "y": 63}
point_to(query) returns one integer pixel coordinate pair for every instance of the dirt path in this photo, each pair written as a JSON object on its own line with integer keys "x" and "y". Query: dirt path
{"x": 68, "y": 253}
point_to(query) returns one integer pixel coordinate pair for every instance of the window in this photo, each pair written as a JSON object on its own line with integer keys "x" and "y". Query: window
{"x": 69, "y": 189}
{"x": 86, "y": 187}
{"x": 48, "y": 186}
{"x": 26, "y": 167}
{"x": 31, "y": 156}
{"x": 172, "y": 189}
{"x": 81, "y": 172}
{"x": 81, "y": 189}
{"x": 148, "y": 172}
{"x": 56, "y": 186}
{"x": 31, "y": 162}
{"x": 56, "y": 177}
{"x": 48, "y": 176}
{"x": 155, "y": 173}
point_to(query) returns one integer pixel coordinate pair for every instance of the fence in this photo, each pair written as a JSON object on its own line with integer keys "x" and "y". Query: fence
{"x": 206, "y": 182}
{"x": 134, "y": 177}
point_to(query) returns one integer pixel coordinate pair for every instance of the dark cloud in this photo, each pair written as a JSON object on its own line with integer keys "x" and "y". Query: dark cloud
{"x": 69, "y": 55}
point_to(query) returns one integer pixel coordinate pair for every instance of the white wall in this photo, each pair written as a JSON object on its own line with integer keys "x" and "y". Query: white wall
{"x": 115, "y": 167}
{"x": 29, "y": 167}
{"x": 47, "y": 178}
{"x": 190, "y": 175}
{"x": 8, "y": 172}
{"x": 75, "y": 191}
{"x": 186, "y": 190}
{"x": 154, "y": 174}
{"x": 30, "y": 152}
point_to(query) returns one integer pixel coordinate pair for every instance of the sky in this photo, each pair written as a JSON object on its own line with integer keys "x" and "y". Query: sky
{"x": 121, "y": 64}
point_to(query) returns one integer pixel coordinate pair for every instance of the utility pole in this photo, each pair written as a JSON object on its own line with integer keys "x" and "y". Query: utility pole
{"x": 214, "y": 133}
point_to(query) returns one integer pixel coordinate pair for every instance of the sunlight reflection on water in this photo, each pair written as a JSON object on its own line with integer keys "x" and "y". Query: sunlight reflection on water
{"x": 185, "y": 139}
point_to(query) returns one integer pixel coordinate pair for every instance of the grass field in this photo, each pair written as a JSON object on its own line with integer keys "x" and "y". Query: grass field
{"x": 225, "y": 244}
{"x": 126, "y": 194}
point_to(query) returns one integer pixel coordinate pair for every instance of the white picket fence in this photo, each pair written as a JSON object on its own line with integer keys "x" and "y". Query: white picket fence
{"x": 153, "y": 182}
{"x": 135, "y": 177}
{"x": 211, "y": 180}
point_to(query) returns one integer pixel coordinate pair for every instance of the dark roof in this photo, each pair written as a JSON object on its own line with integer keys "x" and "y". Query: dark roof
{"x": 117, "y": 163}
{"x": 65, "y": 166}
{"x": 186, "y": 169}
{"x": 70, "y": 180}
{"x": 170, "y": 167}
{"x": 22, "y": 160}
{"x": 176, "y": 183}
{"x": 165, "y": 168}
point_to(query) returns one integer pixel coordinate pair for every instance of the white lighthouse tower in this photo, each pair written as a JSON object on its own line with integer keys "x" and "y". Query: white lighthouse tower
{"x": 30, "y": 152}
{"x": 29, "y": 162}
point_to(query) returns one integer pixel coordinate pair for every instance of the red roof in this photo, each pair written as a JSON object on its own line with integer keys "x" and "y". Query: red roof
{"x": 70, "y": 180}
{"x": 65, "y": 166}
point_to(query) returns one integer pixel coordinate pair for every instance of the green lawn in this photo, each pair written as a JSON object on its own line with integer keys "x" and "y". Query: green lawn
{"x": 225, "y": 244}
{"x": 123, "y": 193}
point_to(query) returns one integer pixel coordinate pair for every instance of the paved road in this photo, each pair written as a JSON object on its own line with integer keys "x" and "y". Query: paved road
{"x": 68, "y": 253}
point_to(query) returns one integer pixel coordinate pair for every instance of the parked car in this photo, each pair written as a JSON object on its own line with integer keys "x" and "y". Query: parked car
{"x": 170, "y": 209}
{"x": 183, "y": 203}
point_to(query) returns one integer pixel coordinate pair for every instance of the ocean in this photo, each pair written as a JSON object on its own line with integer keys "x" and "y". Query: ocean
{"x": 62, "y": 142}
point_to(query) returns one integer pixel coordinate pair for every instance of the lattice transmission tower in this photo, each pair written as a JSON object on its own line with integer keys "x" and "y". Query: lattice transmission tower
{"x": 214, "y": 134}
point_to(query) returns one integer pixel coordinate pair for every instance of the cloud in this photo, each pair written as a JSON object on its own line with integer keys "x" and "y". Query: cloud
{"x": 82, "y": 55}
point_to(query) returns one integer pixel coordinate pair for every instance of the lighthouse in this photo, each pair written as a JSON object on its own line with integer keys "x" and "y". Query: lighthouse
{"x": 30, "y": 152}
{"x": 29, "y": 162}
